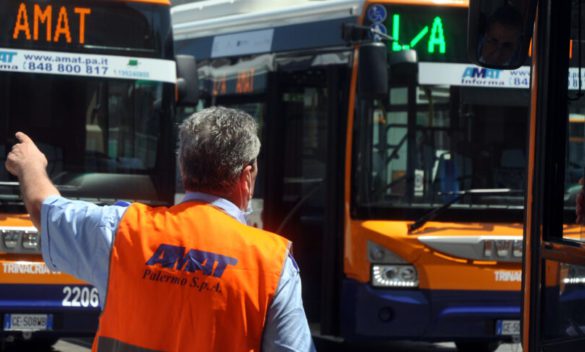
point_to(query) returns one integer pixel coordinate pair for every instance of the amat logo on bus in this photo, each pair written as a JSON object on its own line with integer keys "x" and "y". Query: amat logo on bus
{"x": 482, "y": 77}
{"x": 174, "y": 257}
{"x": 478, "y": 72}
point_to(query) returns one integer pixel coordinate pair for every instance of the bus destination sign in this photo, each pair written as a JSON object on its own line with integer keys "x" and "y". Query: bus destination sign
{"x": 50, "y": 23}
{"x": 430, "y": 30}
{"x": 82, "y": 26}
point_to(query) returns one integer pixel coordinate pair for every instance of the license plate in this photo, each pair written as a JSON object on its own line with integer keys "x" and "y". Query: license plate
{"x": 28, "y": 322}
{"x": 508, "y": 327}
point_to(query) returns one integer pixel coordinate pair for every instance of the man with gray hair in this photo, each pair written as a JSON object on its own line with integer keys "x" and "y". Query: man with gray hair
{"x": 192, "y": 276}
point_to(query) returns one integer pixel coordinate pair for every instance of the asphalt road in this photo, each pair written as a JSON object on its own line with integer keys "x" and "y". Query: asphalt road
{"x": 403, "y": 346}
{"x": 84, "y": 345}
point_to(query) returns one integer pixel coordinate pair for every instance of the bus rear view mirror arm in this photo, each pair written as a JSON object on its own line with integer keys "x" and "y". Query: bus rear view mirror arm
{"x": 187, "y": 81}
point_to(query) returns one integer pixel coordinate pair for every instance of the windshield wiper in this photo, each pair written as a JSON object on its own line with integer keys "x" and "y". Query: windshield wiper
{"x": 10, "y": 193}
{"x": 457, "y": 196}
{"x": 14, "y": 188}
{"x": 69, "y": 191}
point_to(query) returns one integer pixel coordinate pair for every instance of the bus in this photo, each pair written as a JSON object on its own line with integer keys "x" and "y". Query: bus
{"x": 553, "y": 285}
{"x": 94, "y": 83}
{"x": 395, "y": 166}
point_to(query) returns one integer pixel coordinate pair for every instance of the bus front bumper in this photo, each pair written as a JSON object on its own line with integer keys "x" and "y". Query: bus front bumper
{"x": 431, "y": 315}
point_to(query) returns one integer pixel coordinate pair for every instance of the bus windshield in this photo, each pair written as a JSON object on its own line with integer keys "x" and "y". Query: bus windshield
{"x": 83, "y": 126}
{"x": 423, "y": 145}
{"x": 447, "y": 129}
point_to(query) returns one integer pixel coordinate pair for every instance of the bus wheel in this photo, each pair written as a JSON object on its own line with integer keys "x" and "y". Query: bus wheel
{"x": 477, "y": 346}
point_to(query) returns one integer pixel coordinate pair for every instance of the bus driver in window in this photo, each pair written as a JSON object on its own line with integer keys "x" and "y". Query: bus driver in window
{"x": 501, "y": 40}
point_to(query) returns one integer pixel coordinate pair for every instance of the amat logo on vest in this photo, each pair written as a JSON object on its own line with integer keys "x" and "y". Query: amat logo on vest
{"x": 174, "y": 257}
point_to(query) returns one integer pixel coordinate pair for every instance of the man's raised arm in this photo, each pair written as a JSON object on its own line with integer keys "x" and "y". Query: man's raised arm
{"x": 29, "y": 165}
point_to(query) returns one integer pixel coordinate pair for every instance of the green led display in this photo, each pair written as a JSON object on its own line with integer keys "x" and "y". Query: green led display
{"x": 435, "y": 38}
{"x": 435, "y": 32}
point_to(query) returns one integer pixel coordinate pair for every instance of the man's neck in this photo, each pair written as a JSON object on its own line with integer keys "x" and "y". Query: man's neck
{"x": 232, "y": 196}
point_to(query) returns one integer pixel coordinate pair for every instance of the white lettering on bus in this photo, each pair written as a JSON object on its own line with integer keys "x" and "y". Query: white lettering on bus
{"x": 27, "y": 268}
{"x": 508, "y": 276}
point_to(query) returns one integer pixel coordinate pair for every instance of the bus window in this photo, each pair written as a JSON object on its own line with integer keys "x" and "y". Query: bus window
{"x": 304, "y": 177}
{"x": 575, "y": 172}
{"x": 563, "y": 291}
{"x": 456, "y": 140}
{"x": 574, "y": 190}
{"x": 119, "y": 134}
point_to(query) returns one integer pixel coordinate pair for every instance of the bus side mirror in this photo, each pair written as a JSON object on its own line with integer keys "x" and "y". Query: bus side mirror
{"x": 187, "y": 81}
{"x": 498, "y": 36}
{"x": 403, "y": 63}
{"x": 373, "y": 70}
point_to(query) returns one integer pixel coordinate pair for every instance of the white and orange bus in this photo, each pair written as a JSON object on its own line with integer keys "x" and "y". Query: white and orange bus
{"x": 400, "y": 181}
{"x": 94, "y": 83}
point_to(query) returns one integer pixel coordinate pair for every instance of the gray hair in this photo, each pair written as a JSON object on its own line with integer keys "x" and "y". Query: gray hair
{"x": 215, "y": 144}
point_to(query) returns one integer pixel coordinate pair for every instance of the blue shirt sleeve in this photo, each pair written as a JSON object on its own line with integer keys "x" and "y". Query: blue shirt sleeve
{"x": 287, "y": 328}
{"x": 76, "y": 238}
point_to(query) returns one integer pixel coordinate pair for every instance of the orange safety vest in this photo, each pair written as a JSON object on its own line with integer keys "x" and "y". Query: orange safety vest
{"x": 188, "y": 278}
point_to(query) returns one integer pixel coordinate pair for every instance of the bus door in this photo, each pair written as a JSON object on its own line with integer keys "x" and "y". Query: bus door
{"x": 554, "y": 259}
{"x": 303, "y": 195}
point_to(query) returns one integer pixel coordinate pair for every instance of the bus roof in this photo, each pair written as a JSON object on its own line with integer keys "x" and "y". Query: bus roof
{"x": 213, "y": 17}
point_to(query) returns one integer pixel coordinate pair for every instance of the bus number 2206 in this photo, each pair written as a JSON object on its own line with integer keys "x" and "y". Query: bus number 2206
{"x": 76, "y": 296}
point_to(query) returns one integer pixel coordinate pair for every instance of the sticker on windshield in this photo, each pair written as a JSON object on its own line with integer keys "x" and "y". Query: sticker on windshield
{"x": 88, "y": 65}
{"x": 377, "y": 13}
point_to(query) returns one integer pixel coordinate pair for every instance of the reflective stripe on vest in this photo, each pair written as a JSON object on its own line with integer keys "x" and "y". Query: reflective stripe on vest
{"x": 190, "y": 276}
{"x": 106, "y": 344}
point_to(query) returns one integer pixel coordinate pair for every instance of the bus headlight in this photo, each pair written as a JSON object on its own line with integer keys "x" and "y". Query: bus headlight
{"x": 503, "y": 249}
{"x": 30, "y": 240}
{"x": 10, "y": 239}
{"x": 20, "y": 240}
{"x": 394, "y": 276}
{"x": 518, "y": 249}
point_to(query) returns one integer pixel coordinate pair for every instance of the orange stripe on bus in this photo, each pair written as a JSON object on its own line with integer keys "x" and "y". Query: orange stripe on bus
{"x": 159, "y": 2}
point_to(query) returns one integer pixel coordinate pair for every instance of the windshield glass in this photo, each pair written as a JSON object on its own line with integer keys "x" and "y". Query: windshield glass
{"x": 84, "y": 126}
{"x": 575, "y": 153}
{"x": 423, "y": 144}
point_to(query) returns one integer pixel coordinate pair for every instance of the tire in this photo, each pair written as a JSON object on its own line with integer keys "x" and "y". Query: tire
{"x": 477, "y": 346}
